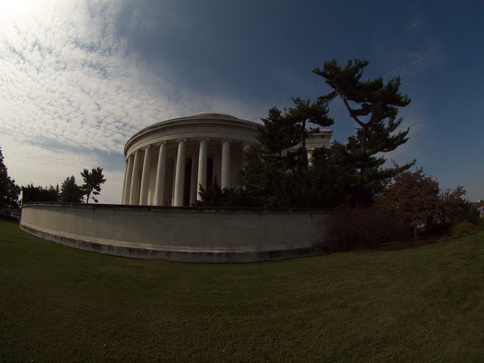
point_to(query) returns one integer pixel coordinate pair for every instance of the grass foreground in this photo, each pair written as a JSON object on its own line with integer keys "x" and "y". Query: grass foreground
{"x": 59, "y": 304}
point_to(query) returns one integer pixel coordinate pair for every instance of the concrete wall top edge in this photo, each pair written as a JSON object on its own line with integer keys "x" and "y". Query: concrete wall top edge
{"x": 213, "y": 210}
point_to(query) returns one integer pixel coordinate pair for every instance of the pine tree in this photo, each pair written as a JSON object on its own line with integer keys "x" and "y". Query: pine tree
{"x": 9, "y": 191}
{"x": 92, "y": 183}
{"x": 278, "y": 174}
{"x": 373, "y": 105}
{"x": 70, "y": 191}
{"x": 277, "y": 134}
{"x": 307, "y": 116}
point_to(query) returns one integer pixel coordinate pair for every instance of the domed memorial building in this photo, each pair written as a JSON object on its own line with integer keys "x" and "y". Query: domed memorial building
{"x": 167, "y": 163}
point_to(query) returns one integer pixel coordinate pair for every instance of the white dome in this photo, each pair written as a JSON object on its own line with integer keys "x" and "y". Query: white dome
{"x": 213, "y": 114}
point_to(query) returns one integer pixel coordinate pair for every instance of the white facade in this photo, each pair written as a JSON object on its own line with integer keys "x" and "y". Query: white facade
{"x": 168, "y": 162}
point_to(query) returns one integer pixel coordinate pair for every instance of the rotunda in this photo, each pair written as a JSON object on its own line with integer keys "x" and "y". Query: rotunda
{"x": 167, "y": 163}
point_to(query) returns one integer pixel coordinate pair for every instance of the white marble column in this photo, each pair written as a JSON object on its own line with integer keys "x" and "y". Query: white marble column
{"x": 127, "y": 179}
{"x": 145, "y": 177}
{"x": 193, "y": 179}
{"x": 135, "y": 180}
{"x": 225, "y": 168}
{"x": 160, "y": 175}
{"x": 180, "y": 173}
{"x": 202, "y": 166}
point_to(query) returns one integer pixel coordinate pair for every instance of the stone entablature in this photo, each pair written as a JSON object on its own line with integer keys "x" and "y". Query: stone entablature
{"x": 167, "y": 163}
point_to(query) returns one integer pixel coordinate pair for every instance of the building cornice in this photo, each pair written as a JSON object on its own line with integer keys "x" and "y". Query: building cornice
{"x": 214, "y": 125}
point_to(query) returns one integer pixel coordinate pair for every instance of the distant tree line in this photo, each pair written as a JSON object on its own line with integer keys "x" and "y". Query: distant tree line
{"x": 69, "y": 191}
{"x": 31, "y": 193}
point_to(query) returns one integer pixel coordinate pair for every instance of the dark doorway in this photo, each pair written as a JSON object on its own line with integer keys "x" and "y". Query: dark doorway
{"x": 209, "y": 172}
{"x": 187, "y": 183}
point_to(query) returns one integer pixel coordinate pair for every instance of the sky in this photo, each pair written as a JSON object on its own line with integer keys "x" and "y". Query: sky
{"x": 78, "y": 78}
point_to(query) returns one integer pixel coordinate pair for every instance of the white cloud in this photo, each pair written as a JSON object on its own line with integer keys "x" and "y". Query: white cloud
{"x": 32, "y": 164}
{"x": 111, "y": 190}
{"x": 412, "y": 63}
{"x": 67, "y": 78}
{"x": 72, "y": 90}
{"x": 411, "y": 51}
{"x": 418, "y": 144}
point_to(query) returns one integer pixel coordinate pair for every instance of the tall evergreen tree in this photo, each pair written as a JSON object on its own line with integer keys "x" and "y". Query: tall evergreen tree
{"x": 277, "y": 133}
{"x": 278, "y": 174}
{"x": 267, "y": 167}
{"x": 374, "y": 106}
{"x": 92, "y": 182}
{"x": 9, "y": 191}
{"x": 307, "y": 116}
{"x": 70, "y": 191}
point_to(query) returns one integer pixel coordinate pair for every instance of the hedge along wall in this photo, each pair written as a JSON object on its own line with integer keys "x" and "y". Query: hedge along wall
{"x": 180, "y": 234}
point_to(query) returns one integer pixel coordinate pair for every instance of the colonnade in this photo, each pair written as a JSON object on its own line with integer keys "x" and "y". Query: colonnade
{"x": 156, "y": 180}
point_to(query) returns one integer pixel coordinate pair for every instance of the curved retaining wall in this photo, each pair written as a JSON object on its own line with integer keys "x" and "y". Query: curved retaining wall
{"x": 180, "y": 234}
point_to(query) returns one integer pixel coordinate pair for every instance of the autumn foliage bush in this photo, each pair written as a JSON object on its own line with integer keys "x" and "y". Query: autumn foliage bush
{"x": 417, "y": 199}
{"x": 411, "y": 204}
{"x": 463, "y": 228}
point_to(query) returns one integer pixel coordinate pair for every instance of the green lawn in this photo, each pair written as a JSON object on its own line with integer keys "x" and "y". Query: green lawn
{"x": 59, "y": 304}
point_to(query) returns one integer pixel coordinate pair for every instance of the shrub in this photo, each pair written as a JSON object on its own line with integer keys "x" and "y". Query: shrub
{"x": 215, "y": 196}
{"x": 364, "y": 227}
{"x": 471, "y": 213}
{"x": 462, "y": 229}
